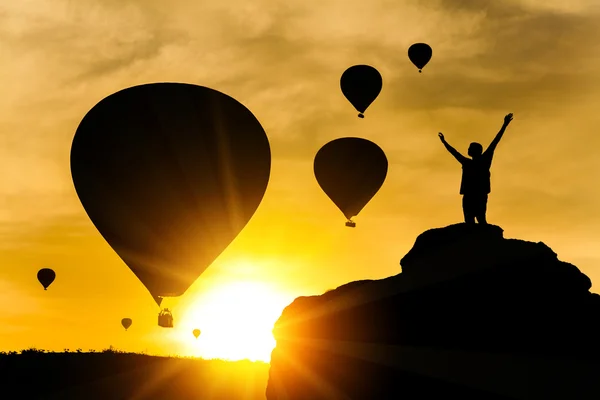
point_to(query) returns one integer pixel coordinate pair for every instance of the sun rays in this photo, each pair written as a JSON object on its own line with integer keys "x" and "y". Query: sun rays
{"x": 236, "y": 321}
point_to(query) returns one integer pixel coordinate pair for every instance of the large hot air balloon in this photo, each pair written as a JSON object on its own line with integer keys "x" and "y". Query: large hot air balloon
{"x": 350, "y": 171}
{"x": 361, "y": 84}
{"x": 196, "y": 333}
{"x": 169, "y": 173}
{"x": 46, "y": 276}
{"x": 126, "y": 322}
{"x": 419, "y": 54}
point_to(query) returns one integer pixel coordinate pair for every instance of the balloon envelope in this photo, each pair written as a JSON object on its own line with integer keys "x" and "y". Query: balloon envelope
{"x": 350, "y": 171}
{"x": 419, "y": 54}
{"x": 169, "y": 173}
{"x": 126, "y": 322}
{"x": 361, "y": 84}
{"x": 196, "y": 333}
{"x": 46, "y": 276}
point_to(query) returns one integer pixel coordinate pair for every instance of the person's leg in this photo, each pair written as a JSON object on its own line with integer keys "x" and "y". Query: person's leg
{"x": 467, "y": 204}
{"x": 481, "y": 209}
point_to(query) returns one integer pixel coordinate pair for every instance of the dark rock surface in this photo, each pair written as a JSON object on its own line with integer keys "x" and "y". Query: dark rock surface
{"x": 472, "y": 315}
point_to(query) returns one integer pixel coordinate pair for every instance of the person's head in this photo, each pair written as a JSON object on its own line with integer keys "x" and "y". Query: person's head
{"x": 475, "y": 150}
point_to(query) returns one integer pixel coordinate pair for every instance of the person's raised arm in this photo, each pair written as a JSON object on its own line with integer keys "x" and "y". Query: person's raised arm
{"x": 461, "y": 159}
{"x": 496, "y": 140}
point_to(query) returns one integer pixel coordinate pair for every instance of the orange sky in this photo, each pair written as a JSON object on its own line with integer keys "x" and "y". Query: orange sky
{"x": 283, "y": 60}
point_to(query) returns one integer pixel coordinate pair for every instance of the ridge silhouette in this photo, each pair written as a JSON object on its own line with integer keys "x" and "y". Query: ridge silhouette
{"x": 475, "y": 184}
{"x": 113, "y": 374}
{"x": 472, "y": 314}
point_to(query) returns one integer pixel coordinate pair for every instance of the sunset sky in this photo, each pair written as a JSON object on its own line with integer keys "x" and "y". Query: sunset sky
{"x": 283, "y": 60}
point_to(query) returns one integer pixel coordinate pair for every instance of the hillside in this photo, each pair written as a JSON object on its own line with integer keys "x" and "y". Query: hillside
{"x": 113, "y": 375}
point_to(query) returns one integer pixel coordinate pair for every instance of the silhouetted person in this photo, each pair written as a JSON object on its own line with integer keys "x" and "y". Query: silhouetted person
{"x": 475, "y": 184}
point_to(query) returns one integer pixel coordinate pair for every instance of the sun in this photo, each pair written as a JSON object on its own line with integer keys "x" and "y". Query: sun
{"x": 236, "y": 321}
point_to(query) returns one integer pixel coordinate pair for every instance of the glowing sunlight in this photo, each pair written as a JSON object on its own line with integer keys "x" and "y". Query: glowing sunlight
{"x": 236, "y": 321}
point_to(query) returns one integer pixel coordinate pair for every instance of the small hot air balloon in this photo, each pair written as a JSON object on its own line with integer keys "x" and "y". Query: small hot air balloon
{"x": 126, "y": 322}
{"x": 350, "y": 171}
{"x": 169, "y": 173}
{"x": 46, "y": 276}
{"x": 420, "y": 54}
{"x": 196, "y": 333}
{"x": 361, "y": 84}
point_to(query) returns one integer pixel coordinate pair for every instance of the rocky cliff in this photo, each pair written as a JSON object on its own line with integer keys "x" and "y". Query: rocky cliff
{"x": 472, "y": 314}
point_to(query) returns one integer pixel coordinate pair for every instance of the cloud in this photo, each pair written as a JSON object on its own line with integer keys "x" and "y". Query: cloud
{"x": 284, "y": 62}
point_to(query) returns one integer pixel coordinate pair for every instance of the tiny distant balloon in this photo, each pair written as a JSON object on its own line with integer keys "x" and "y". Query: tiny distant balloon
{"x": 46, "y": 276}
{"x": 420, "y": 54}
{"x": 126, "y": 322}
{"x": 196, "y": 333}
{"x": 350, "y": 171}
{"x": 361, "y": 84}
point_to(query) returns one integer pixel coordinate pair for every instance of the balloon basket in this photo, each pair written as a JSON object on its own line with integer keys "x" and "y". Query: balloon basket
{"x": 351, "y": 224}
{"x": 361, "y": 115}
{"x": 165, "y": 319}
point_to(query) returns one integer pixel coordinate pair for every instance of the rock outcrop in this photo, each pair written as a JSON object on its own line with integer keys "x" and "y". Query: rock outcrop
{"x": 472, "y": 314}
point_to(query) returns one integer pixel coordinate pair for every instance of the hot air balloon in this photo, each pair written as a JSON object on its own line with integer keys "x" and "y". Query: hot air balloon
{"x": 196, "y": 333}
{"x": 350, "y": 171}
{"x": 419, "y": 54}
{"x": 126, "y": 322}
{"x": 361, "y": 84}
{"x": 169, "y": 173}
{"x": 46, "y": 276}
